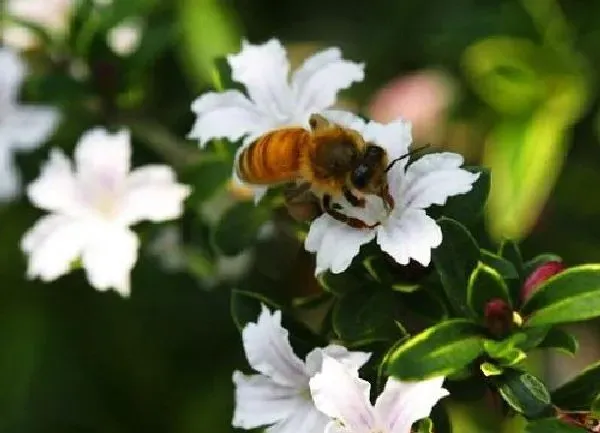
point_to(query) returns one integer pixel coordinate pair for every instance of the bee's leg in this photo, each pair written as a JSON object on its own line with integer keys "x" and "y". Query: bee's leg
{"x": 293, "y": 191}
{"x": 335, "y": 214}
{"x": 387, "y": 197}
{"x": 352, "y": 199}
{"x": 317, "y": 122}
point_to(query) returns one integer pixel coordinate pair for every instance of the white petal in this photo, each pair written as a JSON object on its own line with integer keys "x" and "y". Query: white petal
{"x": 152, "y": 193}
{"x": 102, "y": 156}
{"x": 345, "y": 118}
{"x": 353, "y": 360}
{"x": 269, "y": 352}
{"x": 317, "y": 82}
{"x": 109, "y": 257}
{"x": 340, "y": 394}
{"x": 395, "y": 137}
{"x": 259, "y": 401}
{"x": 55, "y": 189}
{"x": 409, "y": 234}
{"x": 10, "y": 179}
{"x": 335, "y": 243}
{"x": 29, "y": 126}
{"x": 52, "y": 244}
{"x": 435, "y": 177}
{"x": 264, "y": 69}
{"x": 13, "y": 72}
{"x": 227, "y": 115}
{"x": 306, "y": 419}
{"x": 401, "y": 404}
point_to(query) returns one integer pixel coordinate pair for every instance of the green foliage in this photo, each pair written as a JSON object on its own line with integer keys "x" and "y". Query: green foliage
{"x": 580, "y": 392}
{"x": 455, "y": 260}
{"x": 238, "y": 227}
{"x": 366, "y": 316}
{"x": 524, "y": 393}
{"x": 485, "y": 284}
{"x": 468, "y": 208}
{"x": 438, "y": 351}
{"x": 570, "y": 296}
{"x": 561, "y": 340}
{"x": 552, "y": 426}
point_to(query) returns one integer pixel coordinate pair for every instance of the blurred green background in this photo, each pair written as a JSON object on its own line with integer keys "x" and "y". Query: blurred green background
{"x": 509, "y": 84}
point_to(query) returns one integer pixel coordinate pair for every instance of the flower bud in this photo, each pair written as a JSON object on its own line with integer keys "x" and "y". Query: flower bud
{"x": 538, "y": 276}
{"x": 498, "y": 317}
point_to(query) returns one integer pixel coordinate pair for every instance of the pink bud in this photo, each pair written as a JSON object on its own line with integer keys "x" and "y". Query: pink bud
{"x": 498, "y": 317}
{"x": 538, "y": 276}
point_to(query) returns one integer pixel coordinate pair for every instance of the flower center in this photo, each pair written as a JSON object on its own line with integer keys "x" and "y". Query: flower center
{"x": 103, "y": 193}
{"x": 375, "y": 211}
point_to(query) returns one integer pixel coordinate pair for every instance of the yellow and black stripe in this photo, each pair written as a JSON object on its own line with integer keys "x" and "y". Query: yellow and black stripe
{"x": 274, "y": 157}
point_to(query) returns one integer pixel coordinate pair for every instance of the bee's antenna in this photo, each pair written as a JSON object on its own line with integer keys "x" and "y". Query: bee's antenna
{"x": 412, "y": 152}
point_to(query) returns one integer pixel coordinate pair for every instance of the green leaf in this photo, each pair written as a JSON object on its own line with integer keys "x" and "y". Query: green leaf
{"x": 468, "y": 207}
{"x": 561, "y": 340}
{"x": 552, "y": 425}
{"x": 438, "y": 351}
{"x": 570, "y": 296}
{"x": 343, "y": 283}
{"x": 525, "y": 393}
{"x": 485, "y": 284}
{"x": 488, "y": 369}
{"x": 501, "y": 265}
{"x": 506, "y": 352}
{"x": 595, "y": 407}
{"x": 510, "y": 251}
{"x": 580, "y": 392}
{"x": 208, "y": 178}
{"x": 238, "y": 228}
{"x": 246, "y": 307}
{"x": 455, "y": 259}
{"x": 425, "y": 303}
{"x": 366, "y": 316}
{"x": 425, "y": 426}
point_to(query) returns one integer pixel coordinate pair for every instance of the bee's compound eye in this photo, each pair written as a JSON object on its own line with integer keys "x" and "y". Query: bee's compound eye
{"x": 360, "y": 176}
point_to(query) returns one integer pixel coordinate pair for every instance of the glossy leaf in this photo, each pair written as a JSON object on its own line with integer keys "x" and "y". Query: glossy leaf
{"x": 438, "y": 351}
{"x": 238, "y": 227}
{"x": 560, "y": 339}
{"x": 466, "y": 208}
{"x": 501, "y": 265}
{"x": 455, "y": 261}
{"x": 366, "y": 316}
{"x": 524, "y": 393}
{"x": 485, "y": 284}
{"x": 581, "y": 391}
{"x": 552, "y": 425}
{"x": 570, "y": 296}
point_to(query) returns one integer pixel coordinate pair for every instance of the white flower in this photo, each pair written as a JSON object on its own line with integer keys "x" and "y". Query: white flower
{"x": 279, "y": 397}
{"x": 51, "y": 15}
{"x": 339, "y": 393}
{"x": 273, "y": 100}
{"x": 406, "y": 231}
{"x": 91, "y": 208}
{"x": 22, "y": 127}
{"x": 124, "y": 39}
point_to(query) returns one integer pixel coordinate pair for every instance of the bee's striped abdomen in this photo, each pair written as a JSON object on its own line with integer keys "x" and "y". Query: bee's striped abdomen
{"x": 274, "y": 157}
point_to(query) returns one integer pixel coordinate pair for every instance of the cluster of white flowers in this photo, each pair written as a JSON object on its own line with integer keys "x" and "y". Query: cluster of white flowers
{"x": 323, "y": 393}
{"x": 405, "y": 232}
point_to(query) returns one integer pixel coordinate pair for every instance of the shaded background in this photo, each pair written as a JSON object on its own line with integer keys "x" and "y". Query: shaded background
{"x": 509, "y": 84}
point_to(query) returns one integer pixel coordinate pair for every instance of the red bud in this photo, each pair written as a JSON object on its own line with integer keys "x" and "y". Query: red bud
{"x": 538, "y": 276}
{"x": 498, "y": 317}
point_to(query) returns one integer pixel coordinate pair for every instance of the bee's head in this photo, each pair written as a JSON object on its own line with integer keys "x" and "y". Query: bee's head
{"x": 369, "y": 171}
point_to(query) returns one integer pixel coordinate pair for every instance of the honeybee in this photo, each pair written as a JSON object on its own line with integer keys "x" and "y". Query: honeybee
{"x": 329, "y": 160}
